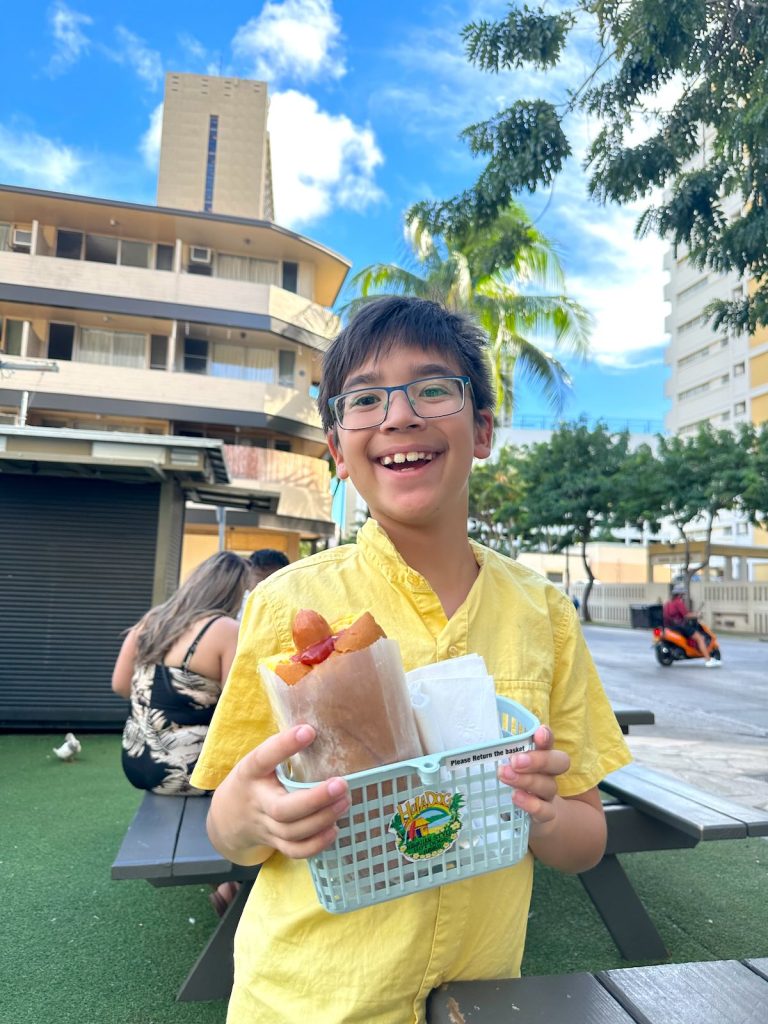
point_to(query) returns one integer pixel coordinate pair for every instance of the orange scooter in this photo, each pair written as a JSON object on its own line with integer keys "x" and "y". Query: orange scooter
{"x": 670, "y": 645}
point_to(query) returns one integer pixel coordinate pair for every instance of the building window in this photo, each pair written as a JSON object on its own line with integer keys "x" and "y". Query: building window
{"x": 135, "y": 254}
{"x": 101, "y": 248}
{"x": 286, "y": 369}
{"x": 163, "y": 257}
{"x": 243, "y": 362}
{"x": 245, "y": 268}
{"x": 700, "y": 353}
{"x": 61, "y": 339}
{"x": 696, "y": 286}
{"x": 740, "y": 408}
{"x": 5, "y": 234}
{"x": 689, "y": 325}
{"x": 195, "y": 355}
{"x": 210, "y": 168}
{"x": 158, "y": 352}
{"x": 69, "y": 244}
{"x": 283, "y": 446}
{"x": 11, "y": 337}
{"x": 691, "y": 392}
{"x": 738, "y": 369}
{"x": 291, "y": 277}
{"x": 111, "y": 348}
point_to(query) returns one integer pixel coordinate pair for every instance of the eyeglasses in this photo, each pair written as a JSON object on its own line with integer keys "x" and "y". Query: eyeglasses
{"x": 429, "y": 397}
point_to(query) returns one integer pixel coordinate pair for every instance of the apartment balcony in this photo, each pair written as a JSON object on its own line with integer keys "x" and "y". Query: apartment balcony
{"x": 163, "y": 294}
{"x": 302, "y": 481}
{"x": 159, "y": 394}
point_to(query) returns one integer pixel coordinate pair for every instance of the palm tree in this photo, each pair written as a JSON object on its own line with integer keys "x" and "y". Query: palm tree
{"x": 505, "y": 277}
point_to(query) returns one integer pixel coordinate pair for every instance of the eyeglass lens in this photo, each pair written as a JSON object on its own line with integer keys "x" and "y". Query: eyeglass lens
{"x": 436, "y": 396}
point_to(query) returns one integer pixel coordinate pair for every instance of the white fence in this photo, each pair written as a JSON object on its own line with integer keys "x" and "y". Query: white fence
{"x": 726, "y": 607}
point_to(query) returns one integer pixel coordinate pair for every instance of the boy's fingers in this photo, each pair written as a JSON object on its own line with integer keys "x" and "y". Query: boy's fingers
{"x": 263, "y": 760}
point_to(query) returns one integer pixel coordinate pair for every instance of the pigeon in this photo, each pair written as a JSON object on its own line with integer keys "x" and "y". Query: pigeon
{"x": 69, "y": 748}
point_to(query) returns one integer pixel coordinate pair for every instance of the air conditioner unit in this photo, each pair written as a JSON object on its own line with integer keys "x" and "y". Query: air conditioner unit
{"x": 21, "y": 239}
{"x": 197, "y": 254}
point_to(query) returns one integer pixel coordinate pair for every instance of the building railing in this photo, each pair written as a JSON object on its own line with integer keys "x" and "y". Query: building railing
{"x": 726, "y": 607}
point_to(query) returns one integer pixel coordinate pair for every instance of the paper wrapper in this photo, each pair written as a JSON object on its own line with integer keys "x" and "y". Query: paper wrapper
{"x": 358, "y": 704}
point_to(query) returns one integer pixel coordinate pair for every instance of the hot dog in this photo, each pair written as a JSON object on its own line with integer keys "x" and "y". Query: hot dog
{"x": 349, "y": 684}
{"x": 315, "y": 642}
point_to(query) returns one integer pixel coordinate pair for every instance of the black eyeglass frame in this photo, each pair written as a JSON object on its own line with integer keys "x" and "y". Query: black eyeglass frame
{"x": 466, "y": 382}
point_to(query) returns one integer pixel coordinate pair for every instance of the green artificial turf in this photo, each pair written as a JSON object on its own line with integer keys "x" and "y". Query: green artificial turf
{"x": 78, "y": 948}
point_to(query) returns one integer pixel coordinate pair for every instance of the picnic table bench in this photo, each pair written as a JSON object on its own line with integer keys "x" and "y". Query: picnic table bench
{"x": 166, "y": 844}
{"x": 697, "y": 993}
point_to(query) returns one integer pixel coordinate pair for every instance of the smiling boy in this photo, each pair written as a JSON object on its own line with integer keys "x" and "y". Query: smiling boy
{"x": 405, "y": 401}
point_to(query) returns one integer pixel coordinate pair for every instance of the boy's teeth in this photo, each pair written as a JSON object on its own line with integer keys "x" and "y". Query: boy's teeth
{"x": 400, "y": 457}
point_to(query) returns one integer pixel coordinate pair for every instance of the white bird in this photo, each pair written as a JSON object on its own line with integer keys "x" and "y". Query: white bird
{"x": 69, "y": 748}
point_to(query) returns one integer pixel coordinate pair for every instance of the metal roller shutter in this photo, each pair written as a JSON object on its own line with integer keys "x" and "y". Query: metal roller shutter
{"x": 76, "y": 569}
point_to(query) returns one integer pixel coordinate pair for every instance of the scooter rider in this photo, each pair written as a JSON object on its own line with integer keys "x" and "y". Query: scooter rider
{"x": 678, "y": 616}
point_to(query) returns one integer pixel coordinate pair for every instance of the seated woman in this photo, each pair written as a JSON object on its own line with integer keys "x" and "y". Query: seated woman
{"x": 172, "y": 667}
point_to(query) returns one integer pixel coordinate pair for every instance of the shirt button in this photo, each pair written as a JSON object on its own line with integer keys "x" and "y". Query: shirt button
{"x": 453, "y": 651}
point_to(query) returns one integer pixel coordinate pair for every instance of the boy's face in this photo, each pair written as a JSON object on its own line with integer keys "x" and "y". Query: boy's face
{"x": 430, "y": 490}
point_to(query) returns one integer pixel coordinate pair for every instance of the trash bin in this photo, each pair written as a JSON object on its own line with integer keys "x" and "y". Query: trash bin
{"x": 646, "y": 616}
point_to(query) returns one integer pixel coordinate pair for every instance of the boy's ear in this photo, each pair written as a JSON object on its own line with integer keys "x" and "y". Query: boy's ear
{"x": 335, "y": 449}
{"x": 483, "y": 434}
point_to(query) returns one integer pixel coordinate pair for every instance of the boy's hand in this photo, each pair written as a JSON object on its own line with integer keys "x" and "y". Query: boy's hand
{"x": 252, "y": 814}
{"x": 532, "y": 775}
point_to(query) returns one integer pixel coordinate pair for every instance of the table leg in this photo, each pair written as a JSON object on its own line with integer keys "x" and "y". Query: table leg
{"x": 622, "y": 911}
{"x": 213, "y": 972}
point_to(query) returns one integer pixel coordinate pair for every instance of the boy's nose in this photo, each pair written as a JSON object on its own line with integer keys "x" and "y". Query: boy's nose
{"x": 400, "y": 415}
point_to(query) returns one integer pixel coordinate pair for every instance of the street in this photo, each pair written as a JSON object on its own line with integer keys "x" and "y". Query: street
{"x": 711, "y": 724}
{"x": 686, "y": 697}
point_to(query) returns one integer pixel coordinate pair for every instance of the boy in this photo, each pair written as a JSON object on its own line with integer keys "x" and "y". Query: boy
{"x": 405, "y": 401}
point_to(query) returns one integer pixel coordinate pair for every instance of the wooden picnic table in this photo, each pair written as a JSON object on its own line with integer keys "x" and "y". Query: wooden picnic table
{"x": 714, "y": 992}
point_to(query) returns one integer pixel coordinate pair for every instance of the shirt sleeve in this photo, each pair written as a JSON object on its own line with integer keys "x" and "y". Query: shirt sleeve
{"x": 581, "y": 716}
{"x": 243, "y": 717}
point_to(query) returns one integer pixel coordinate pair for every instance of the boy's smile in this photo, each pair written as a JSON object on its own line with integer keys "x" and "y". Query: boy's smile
{"x": 410, "y": 470}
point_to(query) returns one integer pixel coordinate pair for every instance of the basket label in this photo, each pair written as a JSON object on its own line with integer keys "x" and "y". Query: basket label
{"x": 427, "y": 825}
{"x": 463, "y": 760}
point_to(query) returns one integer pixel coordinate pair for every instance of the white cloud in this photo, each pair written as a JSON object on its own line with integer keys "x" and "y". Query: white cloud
{"x": 147, "y": 63}
{"x": 27, "y": 158}
{"x": 149, "y": 145}
{"x": 319, "y": 160}
{"x": 71, "y": 41}
{"x": 297, "y": 38}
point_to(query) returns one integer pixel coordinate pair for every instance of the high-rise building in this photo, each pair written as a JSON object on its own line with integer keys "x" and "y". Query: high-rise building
{"x": 214, "y": 154}
{"x": 158, "y": 372}
{"x": 716, "y": 376}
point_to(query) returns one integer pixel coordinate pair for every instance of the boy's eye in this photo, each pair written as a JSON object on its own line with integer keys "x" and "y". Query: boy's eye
{"x": 364, "y": 400}
{"x": 434, "y": 389}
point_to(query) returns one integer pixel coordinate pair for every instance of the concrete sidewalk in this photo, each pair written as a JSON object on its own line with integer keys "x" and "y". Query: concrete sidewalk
{"x": 738, "y": 768}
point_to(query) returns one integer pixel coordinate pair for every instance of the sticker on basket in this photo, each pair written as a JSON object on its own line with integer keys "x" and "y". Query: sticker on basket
{"x": 462, "y": 760}
{"x": 427, "y": 825}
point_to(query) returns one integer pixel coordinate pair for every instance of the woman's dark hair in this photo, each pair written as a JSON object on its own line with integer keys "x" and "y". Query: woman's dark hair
{"x": 385, "y": 323}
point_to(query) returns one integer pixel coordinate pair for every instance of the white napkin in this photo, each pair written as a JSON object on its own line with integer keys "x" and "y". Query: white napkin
{"x": 454, "y": 703}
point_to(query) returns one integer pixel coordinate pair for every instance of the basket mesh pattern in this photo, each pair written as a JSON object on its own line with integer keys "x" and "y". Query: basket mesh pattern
{"x": 366, "y": 864}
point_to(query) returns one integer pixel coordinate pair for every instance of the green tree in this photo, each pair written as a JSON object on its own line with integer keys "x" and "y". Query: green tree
{"x": 496, "y": 500}
{"x": 573, "y": 486}
{"x": 504, "y": 276}
{"x": 688, "y": 481}
{"x": 755, "y": 493}
{"x": 682, "y": 71}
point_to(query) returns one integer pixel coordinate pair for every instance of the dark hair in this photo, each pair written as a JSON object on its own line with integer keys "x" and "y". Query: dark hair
{"x": 384, "y": 323}
{"x": 268, "y": 558}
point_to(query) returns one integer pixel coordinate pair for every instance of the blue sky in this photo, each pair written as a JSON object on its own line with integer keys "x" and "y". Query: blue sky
{"x": 367, "y": 101}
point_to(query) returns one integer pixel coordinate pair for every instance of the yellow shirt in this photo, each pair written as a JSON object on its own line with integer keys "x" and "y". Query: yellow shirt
{"x": 294, "y": 962}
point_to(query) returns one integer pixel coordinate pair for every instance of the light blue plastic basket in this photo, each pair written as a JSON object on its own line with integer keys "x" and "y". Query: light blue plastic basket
{"x": 425, "y": 822}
